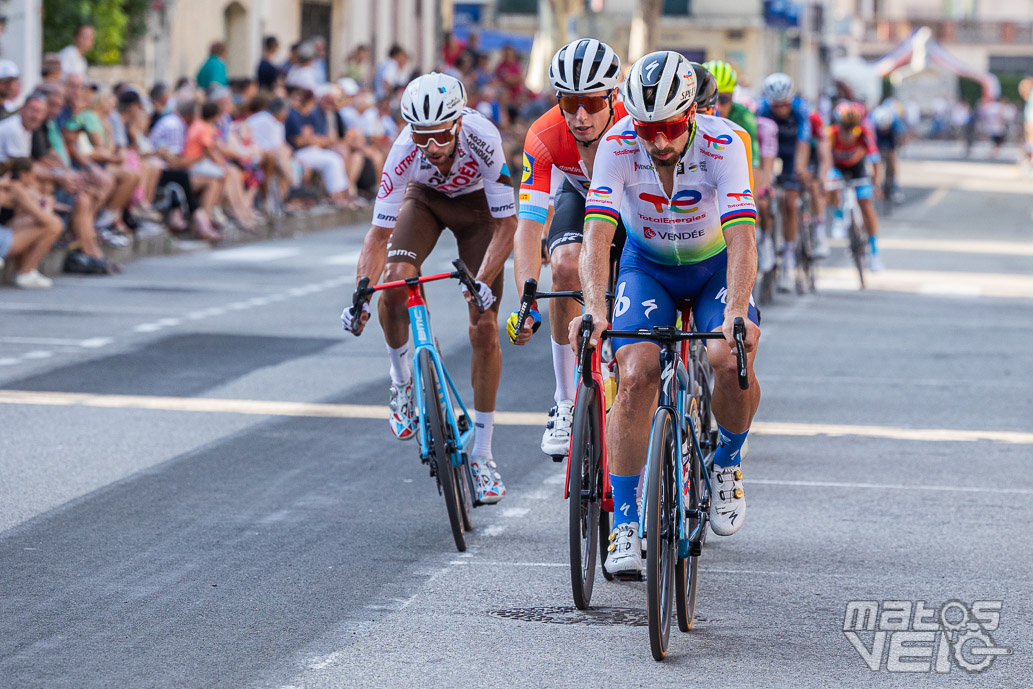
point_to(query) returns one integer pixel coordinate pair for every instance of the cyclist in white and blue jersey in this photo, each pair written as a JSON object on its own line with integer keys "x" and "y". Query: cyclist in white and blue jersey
{"x": 680, "y": 182}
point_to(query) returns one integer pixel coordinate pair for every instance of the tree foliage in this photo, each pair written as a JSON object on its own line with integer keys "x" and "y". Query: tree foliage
{"x": 117, "y": 22}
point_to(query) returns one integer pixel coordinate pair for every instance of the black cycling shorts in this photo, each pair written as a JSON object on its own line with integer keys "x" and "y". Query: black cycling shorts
{"x": 568, "y": 221}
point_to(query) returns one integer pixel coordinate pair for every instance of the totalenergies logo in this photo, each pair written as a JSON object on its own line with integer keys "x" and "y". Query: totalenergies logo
{"x": 746, "y": 195}
{"x": 683, "y": 202}
{"x": 719, "y": 143}
{"x": 625, "y": 138}
{"x": 601, "y": 192}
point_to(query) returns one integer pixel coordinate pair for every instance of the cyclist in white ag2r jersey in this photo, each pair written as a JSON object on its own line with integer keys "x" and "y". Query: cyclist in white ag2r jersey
{"x": 681, "y": 184}
{"x": 446, "y": 169}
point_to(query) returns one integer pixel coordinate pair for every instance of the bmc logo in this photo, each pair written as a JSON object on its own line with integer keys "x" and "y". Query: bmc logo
{"x": 625, "y": 138}
{"x": 683, "y": 202}
{"x": 719, "y": 143}
{"x": 746, "y": 195}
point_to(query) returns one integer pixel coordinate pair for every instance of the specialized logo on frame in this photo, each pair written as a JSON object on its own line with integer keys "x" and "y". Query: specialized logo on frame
{"x": 910, "y": 636}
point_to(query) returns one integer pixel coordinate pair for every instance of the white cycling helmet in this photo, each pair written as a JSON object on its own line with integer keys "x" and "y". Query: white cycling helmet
{"x": 433, "y": 99}
{"x": 778, "y": 88}
{"x": 660, "y": 86}
{"x": 584, "y": 66}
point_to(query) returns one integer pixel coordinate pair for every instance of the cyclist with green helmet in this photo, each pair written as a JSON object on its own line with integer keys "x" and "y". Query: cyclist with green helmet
{"x": 726, "y": 79}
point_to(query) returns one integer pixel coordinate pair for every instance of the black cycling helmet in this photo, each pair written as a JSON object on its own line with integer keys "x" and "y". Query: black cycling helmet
{"x": 706, "y": 89}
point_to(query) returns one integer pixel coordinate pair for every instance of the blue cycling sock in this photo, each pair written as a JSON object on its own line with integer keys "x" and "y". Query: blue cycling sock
{"x": 625, "y": 507}
{"x": 838, "y": 213}
{"x": 727, "y": 453}
{"x": 873, "y": 244}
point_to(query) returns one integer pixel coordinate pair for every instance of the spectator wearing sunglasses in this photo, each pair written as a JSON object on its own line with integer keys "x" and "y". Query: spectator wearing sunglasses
{"x": 585, "y": 75}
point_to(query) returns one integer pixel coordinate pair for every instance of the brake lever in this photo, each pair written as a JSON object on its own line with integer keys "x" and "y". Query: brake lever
{"x": 739, "y": 334}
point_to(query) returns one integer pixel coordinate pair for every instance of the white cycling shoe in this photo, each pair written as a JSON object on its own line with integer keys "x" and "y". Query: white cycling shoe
{"x": 556, "y": 440}
{"x": 625, "y": 551}
{"x": 728, "y": 500}
{"x": 765, "y": 254}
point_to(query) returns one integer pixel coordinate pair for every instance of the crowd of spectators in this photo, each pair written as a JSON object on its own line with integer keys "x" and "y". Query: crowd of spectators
{"x": 88, "y": 167}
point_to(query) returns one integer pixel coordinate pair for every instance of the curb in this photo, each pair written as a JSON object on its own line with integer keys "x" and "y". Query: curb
{"x": 165, "y": 244}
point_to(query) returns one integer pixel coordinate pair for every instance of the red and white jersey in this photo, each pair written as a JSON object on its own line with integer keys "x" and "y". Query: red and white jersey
{"x": 480, "y": 163}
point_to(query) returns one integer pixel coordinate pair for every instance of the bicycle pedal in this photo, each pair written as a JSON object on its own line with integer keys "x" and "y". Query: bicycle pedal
{"x": 558, "y": 458}
{"x": 629, "y": 576}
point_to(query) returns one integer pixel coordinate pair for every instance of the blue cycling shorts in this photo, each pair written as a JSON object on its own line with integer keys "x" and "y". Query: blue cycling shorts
{"x": 859, "y": 171}
{"x": 648, "y": 293}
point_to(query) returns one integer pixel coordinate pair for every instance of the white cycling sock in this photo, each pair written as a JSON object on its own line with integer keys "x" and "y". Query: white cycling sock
{"x": 484, "y": 424}
{"x": 564, "y": 367}
{"x": 401, "y": 372}
{"x": 789, "y": 255}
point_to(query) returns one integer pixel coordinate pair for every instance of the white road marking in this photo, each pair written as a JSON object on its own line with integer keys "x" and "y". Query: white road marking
{"x": 319, "y": 663}
{"x": 96, "y": 342}
{"x": 45, "y": 341}
{"x": 486, "y": 563}
{"x": 946, "y": 283}
{"x": 957, "y": 246}
{"x": 360, "y": 411}
{"x": 147, "y": 328}
{"x": 511, "y": 512}
{"x": 8, "y": 361}
{"x": 169, "y": 322}
{"x": 936, "y": 197}
{"x": 255, "y": 254}
{"x": 349, "y": 258}
{"x": 38, "y": 354}
{"x": 891, "y": 486}
{"x": 493, "y": 530}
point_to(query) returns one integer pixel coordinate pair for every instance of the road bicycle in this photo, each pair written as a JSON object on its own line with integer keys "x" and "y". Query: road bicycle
{"x": 854, "y": 220}
{"x": 806, "y": 260}
{"x": 587, "y": 485}
{"x": 443, "y": 422}
{"x": 675, "y": 503}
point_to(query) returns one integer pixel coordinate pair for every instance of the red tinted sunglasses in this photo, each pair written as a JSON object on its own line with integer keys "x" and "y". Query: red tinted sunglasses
{"x": 671, "y": 129}
{"x": 570, "y": 102}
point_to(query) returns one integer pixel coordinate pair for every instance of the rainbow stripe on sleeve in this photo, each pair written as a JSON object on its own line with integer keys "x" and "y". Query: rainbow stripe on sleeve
{"x": 743, "y": 216}
{"x": 601, "y": 213}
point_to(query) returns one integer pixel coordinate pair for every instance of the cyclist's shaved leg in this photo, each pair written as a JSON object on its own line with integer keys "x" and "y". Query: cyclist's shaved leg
{"x": 394, "y": 305}
{"x": 792, "y": 215}
{"x": 733, "y": 408}
{"x": 564, "y": 262}
{"x": 486, "y": 360}
{"x": 871, "y": 218}
{"x": 630, "y": 417}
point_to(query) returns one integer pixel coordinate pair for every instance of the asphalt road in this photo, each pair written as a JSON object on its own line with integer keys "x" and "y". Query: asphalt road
{"x": 175, "y": 513}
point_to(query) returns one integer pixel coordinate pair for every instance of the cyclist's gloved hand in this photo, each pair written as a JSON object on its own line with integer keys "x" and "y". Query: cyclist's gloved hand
{"x": 348, "y": 316}
{"x": 513, "y": 330}
{"x": 484, "y": 292}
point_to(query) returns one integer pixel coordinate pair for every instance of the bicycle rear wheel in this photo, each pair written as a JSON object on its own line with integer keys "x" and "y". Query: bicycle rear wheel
{"x": 585, "y": 484}
{"x": 661, "y": 515}
{"x": 438, "y": 442}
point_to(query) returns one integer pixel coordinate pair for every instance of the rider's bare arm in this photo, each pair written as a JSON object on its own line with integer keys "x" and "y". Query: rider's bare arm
{"x": 742, "y": 272}
{"x": 374, "y": 253}
{"x": 527, "y": 251}
{"x": 498, "y": 250}
{"x": 594, "y": 269}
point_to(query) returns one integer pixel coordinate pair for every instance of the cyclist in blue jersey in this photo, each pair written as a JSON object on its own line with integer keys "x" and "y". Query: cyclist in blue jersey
{"x": 680, "y": 183}
{"x": 790, "y": 112}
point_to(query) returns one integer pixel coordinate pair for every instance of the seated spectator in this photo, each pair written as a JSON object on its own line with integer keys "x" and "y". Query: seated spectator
{"x": 358, "y": 65}
{"x": 213, "y": 71}
{"x": 268, "y": 74}
{"x": 266, "y": 124}
{"x": 346, "y": 103}
{"x": 390, "y": 74}
{"x": 307, "y": 133}
{"x": 243, "y": 90}
{"x": 73, "y": 57}
{"x": 303, "y": 74}
{"x": 10, "y": 88}
{"x": 110, "y": 157}
{"x": 168, "y": 137}
{"x": 124, "y": 124}
{"x": 241, "y": 185}
{"x": 50, "y": 71}
{"x": 28, "y": 228}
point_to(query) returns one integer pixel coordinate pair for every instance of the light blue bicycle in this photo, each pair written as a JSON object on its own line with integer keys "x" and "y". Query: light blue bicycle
{"x": 444, "y": 427}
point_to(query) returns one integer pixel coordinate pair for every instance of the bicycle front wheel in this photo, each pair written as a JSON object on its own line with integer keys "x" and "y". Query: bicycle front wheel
{"x": 438, "y": 441}
{"x": 686, "y": 570}
{"x": 661, "y": 515}
{"x": 585, "y": 487}
{"x": 857, "y": 246}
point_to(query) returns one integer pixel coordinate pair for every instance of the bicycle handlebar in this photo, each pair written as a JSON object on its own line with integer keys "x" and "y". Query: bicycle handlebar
{"x": 530, "y": 290}
{"x": 671, "y": 335}
{"x": 585, "y": 355}
{"x": 463, "y": 275}
{"x": 359, "y": 299}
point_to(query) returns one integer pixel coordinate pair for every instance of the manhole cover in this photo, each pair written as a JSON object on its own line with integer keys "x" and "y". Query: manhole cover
{"x": 565, "y": 614}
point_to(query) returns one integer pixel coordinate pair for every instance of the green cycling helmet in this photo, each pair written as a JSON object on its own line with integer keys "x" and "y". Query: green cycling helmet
{"x": 724, "y": 75}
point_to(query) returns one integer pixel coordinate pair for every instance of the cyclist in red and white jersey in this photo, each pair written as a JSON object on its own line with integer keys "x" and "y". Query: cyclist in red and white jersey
{"x": 585, "y": 75}
{"x": 681, "y": 184}
{"x": 446, "y": 169}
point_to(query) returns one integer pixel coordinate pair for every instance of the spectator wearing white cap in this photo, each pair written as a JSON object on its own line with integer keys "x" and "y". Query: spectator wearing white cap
{"x": 73, "y": 57}
{"x": 346, "y": 102}
{"x": 10, "y": 88}
{"x": 303, "y": 75}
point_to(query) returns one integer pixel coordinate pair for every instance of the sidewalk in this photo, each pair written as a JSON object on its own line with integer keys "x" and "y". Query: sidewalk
{"x": 167, "y": 244}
